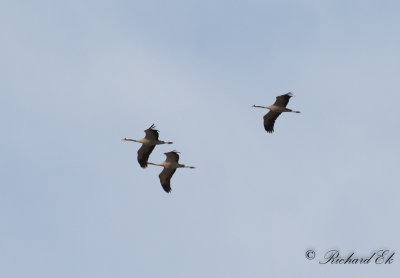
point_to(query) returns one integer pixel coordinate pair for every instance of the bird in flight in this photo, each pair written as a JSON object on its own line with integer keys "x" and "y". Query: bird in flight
{"x": 275, "y": 110}
{"x": 170, "y": 165}
{"x": 149, "y": 142}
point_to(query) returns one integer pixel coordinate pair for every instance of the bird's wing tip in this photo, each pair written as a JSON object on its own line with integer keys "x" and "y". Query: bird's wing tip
{"x": 152, "y": 127}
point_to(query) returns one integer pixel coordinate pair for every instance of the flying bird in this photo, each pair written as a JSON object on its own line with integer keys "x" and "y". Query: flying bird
{"x": 170, "y": 165}
{"x": 149, "y": 142}
{"x": 275, "y": 110}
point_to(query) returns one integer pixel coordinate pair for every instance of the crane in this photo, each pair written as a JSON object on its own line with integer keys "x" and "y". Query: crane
{"x": 275, "y": 110}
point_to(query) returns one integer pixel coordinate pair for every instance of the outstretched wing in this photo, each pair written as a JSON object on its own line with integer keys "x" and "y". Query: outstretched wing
{"x": 283, "y": 100}
{"x": 165, "y": 178}
{"x": 144, "y": 153}
{"x": 151, "y": 133}
{"x": 269, "y": 120}
{"x": 172, "y": 156}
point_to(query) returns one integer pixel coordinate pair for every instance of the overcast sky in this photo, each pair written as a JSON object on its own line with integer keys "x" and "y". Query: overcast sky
{"x": 77, "y": 76}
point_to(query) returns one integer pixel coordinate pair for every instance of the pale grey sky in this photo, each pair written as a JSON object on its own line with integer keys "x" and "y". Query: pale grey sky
{"x": 77, "y": 76}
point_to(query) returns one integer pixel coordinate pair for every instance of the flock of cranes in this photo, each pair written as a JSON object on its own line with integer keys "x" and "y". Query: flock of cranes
{"x": 171, "y": 163}
{"x": 149, "y": 142}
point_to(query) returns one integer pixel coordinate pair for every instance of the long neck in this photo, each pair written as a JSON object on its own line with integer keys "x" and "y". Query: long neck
{"x": 128, "y": 139}
{"x": 156, "y": 164}
{"x": 259, "y": 106}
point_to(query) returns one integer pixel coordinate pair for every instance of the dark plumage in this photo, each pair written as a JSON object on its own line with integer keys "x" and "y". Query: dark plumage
{"x": 143, "y": 154}
{"x": 165, "y": 178}
{"x": 283, "y": 100}
{"x": 152, "y": 133}
{"x": 149, "y": 142}
{"x": 146, "y": 149}
{"x": 172, "y": 156}
{"x": 275, "y": 110}
{"x": 269, "y": 120}
{"x": 170, "y": 165}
